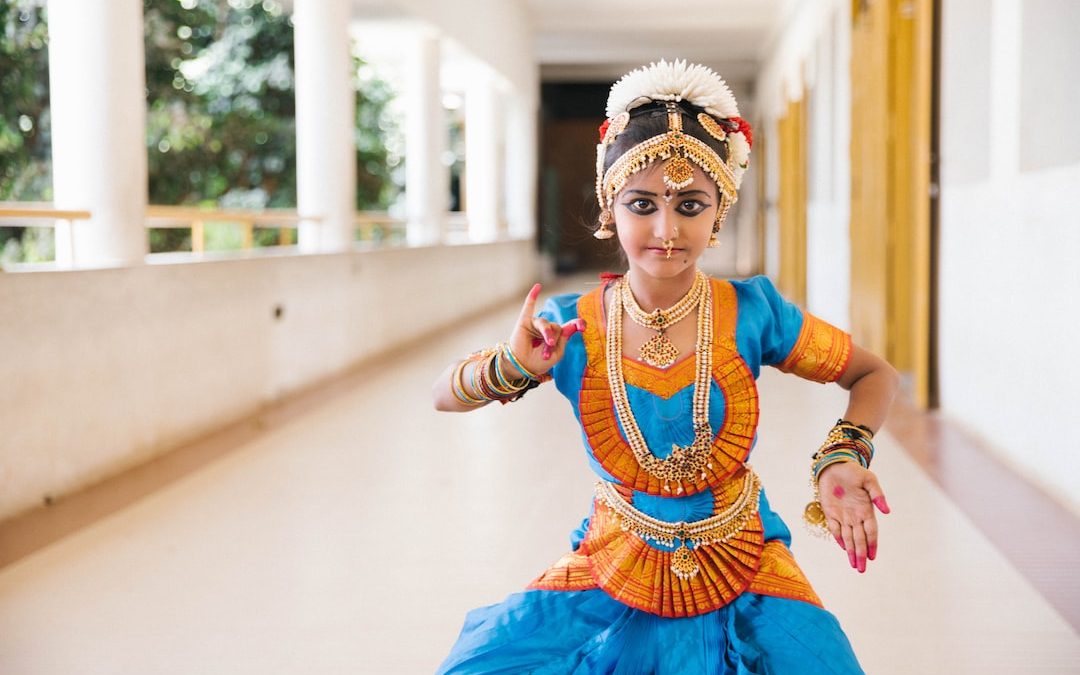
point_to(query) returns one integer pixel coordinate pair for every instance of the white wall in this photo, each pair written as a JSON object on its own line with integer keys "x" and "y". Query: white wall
{"x": 104, "y": 369}
{"x": 1010, "y": 233}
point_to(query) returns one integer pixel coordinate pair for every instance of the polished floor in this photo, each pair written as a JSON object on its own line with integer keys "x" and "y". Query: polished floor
{"x": 353, "y": 538}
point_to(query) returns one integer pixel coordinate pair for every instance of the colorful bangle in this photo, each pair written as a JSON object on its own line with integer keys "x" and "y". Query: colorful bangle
{"x": 487, "y": 380}
{"x": 509, "y": 355}
{"x": 845, "y": 442}
{"x": 457, "y": 386}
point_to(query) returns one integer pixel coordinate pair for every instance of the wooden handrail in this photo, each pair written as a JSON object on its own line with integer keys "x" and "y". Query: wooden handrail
{"x": 184, "y": 216}
{"x": 373, "y": 225}
{"x": 42, "y": 210}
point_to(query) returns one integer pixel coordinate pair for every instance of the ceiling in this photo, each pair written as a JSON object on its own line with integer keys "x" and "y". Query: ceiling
{"x": 599, "y": 40}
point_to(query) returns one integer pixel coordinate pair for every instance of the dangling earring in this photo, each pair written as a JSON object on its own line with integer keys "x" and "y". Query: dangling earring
{"x": 604, "y": 232}
{"x": 713, "y": 241}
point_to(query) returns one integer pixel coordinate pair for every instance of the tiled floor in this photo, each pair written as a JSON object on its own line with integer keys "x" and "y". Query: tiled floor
{"x": 353, "y": 538}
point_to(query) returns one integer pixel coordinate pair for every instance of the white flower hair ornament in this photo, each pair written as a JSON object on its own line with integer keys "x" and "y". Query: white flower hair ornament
{"x": 674, "y": 82}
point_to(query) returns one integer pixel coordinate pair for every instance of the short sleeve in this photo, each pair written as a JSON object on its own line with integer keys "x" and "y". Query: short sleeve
{"x": 560, "y": 308}
{"x": 792, "y": 340}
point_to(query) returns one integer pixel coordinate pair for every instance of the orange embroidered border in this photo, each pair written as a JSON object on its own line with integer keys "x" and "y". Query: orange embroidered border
{"x": 570, "y": 573}
{"x": 732, "y": 441}
{"x": 780, "y": 576}
{"x": 821, "y": 352}
{"x": 639, "y": 575}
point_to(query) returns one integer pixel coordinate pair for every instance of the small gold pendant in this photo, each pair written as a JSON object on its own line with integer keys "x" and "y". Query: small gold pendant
{"x": 658, "y": 351}
{"x": 683, "y": 563}
{"x": 814, "y": 519}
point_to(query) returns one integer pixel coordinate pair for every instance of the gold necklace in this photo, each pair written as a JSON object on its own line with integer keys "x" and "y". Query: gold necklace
{"x": 658, "y": 350}
{"x": 686, "y": 463}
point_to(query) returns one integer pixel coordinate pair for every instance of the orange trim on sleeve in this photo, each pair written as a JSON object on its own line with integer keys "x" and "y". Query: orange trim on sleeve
{"x": 821, "y": 352}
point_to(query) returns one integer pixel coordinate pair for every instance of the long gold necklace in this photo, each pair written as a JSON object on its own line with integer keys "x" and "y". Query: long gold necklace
{"x": 686, "y": 463}
{"x": 658, "y": 350}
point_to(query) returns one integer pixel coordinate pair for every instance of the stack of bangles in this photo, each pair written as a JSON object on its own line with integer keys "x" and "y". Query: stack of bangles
{"x": 488, "y": 381}
{"x": 846, "y": 442}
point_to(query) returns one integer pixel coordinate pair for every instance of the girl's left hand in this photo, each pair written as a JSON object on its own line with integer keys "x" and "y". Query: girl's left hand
{"x": 848, "y": 495}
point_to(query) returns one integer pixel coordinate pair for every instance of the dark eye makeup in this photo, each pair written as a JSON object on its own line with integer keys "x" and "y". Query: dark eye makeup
{"x": 643, "y": 207}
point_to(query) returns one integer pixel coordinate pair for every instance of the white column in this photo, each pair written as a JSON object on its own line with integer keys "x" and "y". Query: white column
{"x": 97, "y": 88}
{"x": 521, "y": 166}
{"x": 482, "y": 174}
{"x": 325, "y": 110}
{"x": 427, "y": 181}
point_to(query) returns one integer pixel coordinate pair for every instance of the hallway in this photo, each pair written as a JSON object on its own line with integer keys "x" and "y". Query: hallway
{"x": 353, "y": 537}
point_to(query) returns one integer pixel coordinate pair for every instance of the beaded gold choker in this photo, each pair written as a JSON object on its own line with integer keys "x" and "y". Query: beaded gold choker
{"x": 686, "y": 462}
{"x": 658, "y": 350}
{"x": 714, "y": 529}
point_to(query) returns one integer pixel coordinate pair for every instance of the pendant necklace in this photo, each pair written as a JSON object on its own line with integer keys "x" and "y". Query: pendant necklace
{"x": 685, "y": 463}
{"x": 659, "y": 351}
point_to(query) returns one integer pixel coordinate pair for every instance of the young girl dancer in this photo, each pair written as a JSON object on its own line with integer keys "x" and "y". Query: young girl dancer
{"x": 681, "y": 566}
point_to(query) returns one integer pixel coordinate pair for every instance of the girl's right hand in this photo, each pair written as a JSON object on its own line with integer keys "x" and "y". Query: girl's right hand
{"x": 538, "y": 343}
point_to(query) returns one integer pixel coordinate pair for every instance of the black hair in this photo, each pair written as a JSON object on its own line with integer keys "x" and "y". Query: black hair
{"x": 650, "y": 119}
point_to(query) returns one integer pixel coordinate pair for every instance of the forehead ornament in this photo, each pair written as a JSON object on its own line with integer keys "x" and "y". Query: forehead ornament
{"x": 672, "y": 83}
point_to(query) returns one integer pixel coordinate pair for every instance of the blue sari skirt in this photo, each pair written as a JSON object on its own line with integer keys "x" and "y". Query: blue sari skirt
{"x": 581, "y": 632}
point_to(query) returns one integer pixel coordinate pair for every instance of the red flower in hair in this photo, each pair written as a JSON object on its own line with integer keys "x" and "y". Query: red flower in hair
{"x": 745, "y": 130}
{"x": 603, "y": 129}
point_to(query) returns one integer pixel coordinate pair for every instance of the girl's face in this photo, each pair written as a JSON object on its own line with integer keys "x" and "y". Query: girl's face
{"x": 649, "y": 216}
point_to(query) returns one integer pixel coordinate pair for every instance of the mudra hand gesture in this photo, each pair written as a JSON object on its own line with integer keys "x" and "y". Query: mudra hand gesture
{"x": 848, "y": 495}
{"x": 538, "y": 343}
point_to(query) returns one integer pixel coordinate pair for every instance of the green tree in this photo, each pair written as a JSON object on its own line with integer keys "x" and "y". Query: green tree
{"x": 220, "y": 111}
{"x": 25, "y": 166}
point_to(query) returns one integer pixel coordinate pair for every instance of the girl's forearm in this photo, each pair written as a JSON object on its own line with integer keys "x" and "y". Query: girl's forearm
{"x": 871, "y": 396}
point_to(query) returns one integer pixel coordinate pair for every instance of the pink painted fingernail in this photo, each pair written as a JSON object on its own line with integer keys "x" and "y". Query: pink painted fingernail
{"x": 536, "y": 342}
{"x": 546, "y": 354}
{"x": 872, "y": 552}
{"x": 840, "y": 542}
{"x": 862, "y": 565}
{"x": 838, "y": 491}
{"x": 882, "y": 505}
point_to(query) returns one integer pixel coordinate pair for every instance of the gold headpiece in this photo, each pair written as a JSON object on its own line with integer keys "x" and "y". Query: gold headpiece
{"x": 674, "y": 82}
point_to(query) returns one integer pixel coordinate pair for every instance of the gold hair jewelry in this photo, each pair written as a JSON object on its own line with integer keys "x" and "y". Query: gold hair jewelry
{"x": 715, "y": 529}
{"x": 713, "y": 241}
{"x": 659, "y": 351}
{"x": 712, "y": 127}
{"x": 616, "y": 127}
{"x": 686, "y": 462}
{"x": 680, "y": 151}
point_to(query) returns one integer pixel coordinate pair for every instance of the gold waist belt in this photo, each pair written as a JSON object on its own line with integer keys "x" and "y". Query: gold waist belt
{"x": 716, "y": 529}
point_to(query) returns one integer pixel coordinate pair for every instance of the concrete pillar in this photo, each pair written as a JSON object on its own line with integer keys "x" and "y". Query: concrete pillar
{"x": 325, "y": 112}
{"x": 521, "y": 165}
{"x": 483, "y": 176}
{"x": 427, "y": 181}
{"x": 97, "y": 87}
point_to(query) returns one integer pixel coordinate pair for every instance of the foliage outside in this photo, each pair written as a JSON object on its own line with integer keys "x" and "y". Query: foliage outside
{"x": 220, "y": 118}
